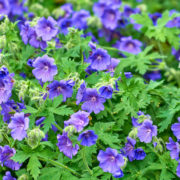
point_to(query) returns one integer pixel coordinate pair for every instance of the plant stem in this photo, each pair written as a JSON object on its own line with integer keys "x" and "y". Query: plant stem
{"x": 58, "y": 127}
{"x": 85, "y": 162}
{"x": 58, "y": 164}
{"x": 82, "y": 57}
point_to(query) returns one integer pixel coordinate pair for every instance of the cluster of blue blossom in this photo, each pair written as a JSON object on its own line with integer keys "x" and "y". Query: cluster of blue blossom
{"x": 44, "y": 69}
{"x": 173, "y": 146}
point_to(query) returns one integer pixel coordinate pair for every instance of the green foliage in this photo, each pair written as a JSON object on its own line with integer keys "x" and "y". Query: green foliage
{"x": 160, "y": 31}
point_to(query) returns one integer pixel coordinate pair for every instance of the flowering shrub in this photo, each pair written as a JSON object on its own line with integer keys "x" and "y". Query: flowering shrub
{"x": 89, "y": 90}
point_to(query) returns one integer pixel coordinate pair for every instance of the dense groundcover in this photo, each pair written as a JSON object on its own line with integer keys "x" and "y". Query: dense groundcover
{"x": 89, "y": 89}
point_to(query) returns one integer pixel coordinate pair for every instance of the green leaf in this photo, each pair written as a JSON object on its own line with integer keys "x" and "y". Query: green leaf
{"x": 30, "y": 109}
{"x": 57, "y": 101}
{"x": 50, "y": 172}
{"x": 48, "y": 121}
{"x": 62, "y": 110}
{"x": 33, "y": 166}
{"x": 107, "y": 138}
{"x": 20, "y": 156}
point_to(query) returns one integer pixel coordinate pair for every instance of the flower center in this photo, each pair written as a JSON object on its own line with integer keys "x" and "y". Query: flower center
{"x": 111, "y": 17}
{"x": 148, "y": 131}
{"x": 130, "y": 45}
{"x": 68, "y": 144}
{"x": 81, "y": 122}
{"x": 112, "y": 158}
{"x": 59, "y": 88}
{"x": 93, "y": 99}
{"x": 1, "y": 6}
{"x": 99, "y": 58}
{"x": 46, "y": 68}
{"x": 48, "y": 28}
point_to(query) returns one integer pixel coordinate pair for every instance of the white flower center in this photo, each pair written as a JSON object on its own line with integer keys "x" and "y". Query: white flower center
{"x": 48, "y": 28}
{"x": 46, "y": 68}
{"x": 93, "y": 99}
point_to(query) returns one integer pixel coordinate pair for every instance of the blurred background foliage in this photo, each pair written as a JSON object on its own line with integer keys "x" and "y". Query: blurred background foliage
{"x": 149, "y": 5}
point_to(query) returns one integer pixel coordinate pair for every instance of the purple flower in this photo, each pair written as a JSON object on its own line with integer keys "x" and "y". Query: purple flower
{"x": 114, "y": 62}
{"x": 155, "y": 17}
{"x": 68, "y": 9}
{"x": 5, "y": 154}
{"x": 8, "y": 176}
{"x": 128, "y": 11}
{"x": 65, "y": 145}
{"x": 153, "y": 75}
{"x": 64, "y": 24}
{"x": 174, "y": 149}
{"x": 139, "y": 154}
{"x": 118, "y": 174}
{"x": 45, "y": 69}
{"x": 176, "y": 130}
{"x": 3, "y": 72}
{"x": 112, "y": 3}
{"x": 30, "y": 62}
{"x": 80, "y": 93}
{"x": 174, "y": 22}
{"x": 129, "y": 148}
{"x": 88, "y": 138}
{"x": 9, "y": 108}
{"x": 135, "y": 120}
{"x": 80, "y": 19}
{"x": 6, "y": 85}
{"x": 146, "y": 131}
{"x": 26, "y": 32}
{"x": 178, "y": 169}
{"x": 4, "y": 7}
{"x": 129, "y": 45}
{"x": 46, "y": 28}
{"x": 110, "y": 160}
{"x": 98, "y": 8}
{"x": 61, "y": 87}
{"x": 110, "y": 18}
{"x": 176, "y": 53}
{"x": 18, "y": 126}
{"x": 36, "y": 41}
{"x": 17, "y": 7}
{"x": 93, "y": 101}
{"x": 79, "y": 120}
{"x": 106, "y": 92}
{"x": 99, "y": 59}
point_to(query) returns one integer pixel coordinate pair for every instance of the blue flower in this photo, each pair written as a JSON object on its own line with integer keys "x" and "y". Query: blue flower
{"x": 111, "y": 161}
{"x": 139, "y": 154}
{"x": 4, "y": 7}
{"x": 176, "y": 129}
{"x": 79, "y": 120}
{"x": 110, "y": 18}
{"x": 64, "y": 24}
{"x": 45, "y": 69}
{"x": 99, "y": 59}
{"x": 65, "y": 145}
{"x": 80, "y": 93}
{"x": 155, "y": 16}
{"x": 5, "y": 154}
{"x": 93, "y": 102}
{"x": 174, "y": 149}
{"x": 61, "y": 87}
{"x": 129, "y": 148}
{"x": 79, "y": 19}
{"x": 8, "y": 176}
{"x": 106, "y": 91}
{"x": 19, "y": 126}
{"x": 146, "y": 131}
{"x": 88, "y": 138}
{"x": 178, "y": 169}
{"x": 46, "y": 28}
{"x": 129, "y": 45}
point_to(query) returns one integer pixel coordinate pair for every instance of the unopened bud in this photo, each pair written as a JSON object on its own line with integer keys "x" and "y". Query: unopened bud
{"x": 34, "y": 137}
{"x": 70, "y": 129}
{"x": 133, "y": 133}
{"x": 23, "y": 177}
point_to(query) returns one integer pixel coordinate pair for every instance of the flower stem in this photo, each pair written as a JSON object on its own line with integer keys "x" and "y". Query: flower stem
{"x": 58, "y": 164}
{"x": 82, "y": 57}
{"x": 58, "y": 127}
{"x": 85, "y": 162}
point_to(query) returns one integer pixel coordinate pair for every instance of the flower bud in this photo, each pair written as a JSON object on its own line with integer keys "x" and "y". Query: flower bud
{"x": 1, "y": 137}
{"x": 2, "y": 42}
{"x": 133, "y": 133}
{"x": 23, "y": 177}
{"x": 70, "y": 129}
{"x": 58, "y": 12}
{"x": 125, "y": 163}
{"x": 94, "y": 21}
{"x": 34, "y": 137}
